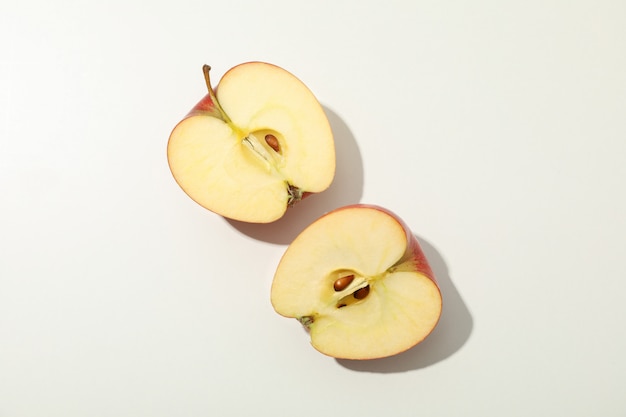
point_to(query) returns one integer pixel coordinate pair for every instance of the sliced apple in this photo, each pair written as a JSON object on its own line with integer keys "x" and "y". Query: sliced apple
{"x": 255, "y": 146}
{"x": 358, "y": 280}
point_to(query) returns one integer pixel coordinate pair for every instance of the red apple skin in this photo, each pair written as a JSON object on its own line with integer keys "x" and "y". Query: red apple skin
{"x": 204, "y": 106}
{"x": 417, "y": 255}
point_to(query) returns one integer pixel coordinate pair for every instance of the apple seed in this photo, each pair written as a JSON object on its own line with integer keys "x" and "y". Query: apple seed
{"x": 272, "y": 142}
{"x": 341, "y": 283}
{"x": 361, "y": 293}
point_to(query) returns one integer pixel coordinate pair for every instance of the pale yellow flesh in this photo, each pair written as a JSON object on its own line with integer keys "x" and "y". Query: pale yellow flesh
{"x": 215, "y": 164}
{"x": 399, "y": 312}
{"x": 401, "y": 308}
{"x": 259, "y": 96}
{"x": 219, "y": 173}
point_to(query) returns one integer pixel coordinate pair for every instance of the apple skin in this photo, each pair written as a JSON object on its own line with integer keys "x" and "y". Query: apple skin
{"x": 413, "y": 260}
{"x": 206, "y": 105}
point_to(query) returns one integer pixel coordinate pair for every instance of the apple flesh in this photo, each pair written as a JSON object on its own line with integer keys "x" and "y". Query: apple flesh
{"x": 358, "y": 280}
{"x": 254, "y": 146}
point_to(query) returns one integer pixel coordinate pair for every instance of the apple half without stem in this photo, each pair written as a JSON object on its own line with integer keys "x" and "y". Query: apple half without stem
{"x": 358, "y": 280}
{"x": 254, "y": 146}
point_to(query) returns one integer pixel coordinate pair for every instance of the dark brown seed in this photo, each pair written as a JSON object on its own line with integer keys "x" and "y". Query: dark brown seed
{"x": 341, "y": 305}
{"x": 361, "y": 293}
{"x": 272, "y": 142}
{"x": 343, "y": 282}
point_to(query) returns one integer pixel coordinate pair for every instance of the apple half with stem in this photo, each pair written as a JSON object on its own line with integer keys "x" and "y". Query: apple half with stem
{"x": 358, "y": 281}
{"x": 254, "y": 146}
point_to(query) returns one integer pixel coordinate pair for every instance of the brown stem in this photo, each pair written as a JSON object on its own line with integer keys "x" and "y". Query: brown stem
{"x": 207, "y": 79}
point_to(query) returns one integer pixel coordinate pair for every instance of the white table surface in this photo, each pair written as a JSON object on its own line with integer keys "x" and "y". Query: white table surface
{"x": 497, "y": 130}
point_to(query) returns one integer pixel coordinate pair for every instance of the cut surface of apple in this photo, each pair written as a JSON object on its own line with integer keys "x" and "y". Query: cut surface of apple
{"x": 254, "y": 146}
{"x": 358, "y": 280}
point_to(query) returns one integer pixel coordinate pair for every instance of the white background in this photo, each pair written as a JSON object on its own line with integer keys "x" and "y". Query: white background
{"x": 497, "y": 130}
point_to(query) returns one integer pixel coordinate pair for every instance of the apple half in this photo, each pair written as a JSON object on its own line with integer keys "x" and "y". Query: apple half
{"x": 359, "y": 282}
{"x": 254, "y": 146}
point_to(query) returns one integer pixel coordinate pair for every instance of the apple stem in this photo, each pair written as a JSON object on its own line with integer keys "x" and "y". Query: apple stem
{"x": 207, "y": 79}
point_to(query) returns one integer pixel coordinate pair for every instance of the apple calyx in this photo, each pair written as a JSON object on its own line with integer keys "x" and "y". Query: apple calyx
{"x": 306, "y": 321}
{"x": 295, "y": 194}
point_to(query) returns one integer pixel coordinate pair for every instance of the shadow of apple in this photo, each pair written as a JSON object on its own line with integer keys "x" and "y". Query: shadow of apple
{"x": 347, "y": 188}
{"x": 452, "y": 331}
